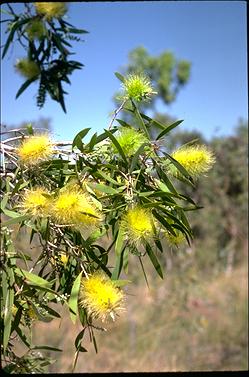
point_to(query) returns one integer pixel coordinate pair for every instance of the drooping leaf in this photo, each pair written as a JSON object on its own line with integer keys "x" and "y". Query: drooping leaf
{"x": 24, "y": 86}
{"x": 73, "y": 300}
{"x": 154, "y": 260}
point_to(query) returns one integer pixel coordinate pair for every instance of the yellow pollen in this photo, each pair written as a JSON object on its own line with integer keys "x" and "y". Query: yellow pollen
{"x": 138, "y": 224}
{"x": 100, "y": 297}
{"x": 35, "y": 149}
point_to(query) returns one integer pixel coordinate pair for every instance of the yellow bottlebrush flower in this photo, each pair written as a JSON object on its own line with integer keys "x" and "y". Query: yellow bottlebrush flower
{"x": 138, "y": 224}
{"x": 36, "y": 30}
{"x": 27, "y": 68}
{"x": 196, "y": 159}
{"x": 36, "y": 202}
{"x": 175, "y": 240}
{"x": 100, "y": 297}
{"x": 50, "y": 10}
{"x": 130, "y": 140}
{"x": 35, "y": 149}
{"x": 138, "y": 87}
{"x": 73, "y": 207}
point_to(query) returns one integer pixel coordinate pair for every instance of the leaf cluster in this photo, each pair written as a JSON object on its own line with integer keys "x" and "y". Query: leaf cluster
{"x": 116, "y": 182}
{"x": 50, "y": 52}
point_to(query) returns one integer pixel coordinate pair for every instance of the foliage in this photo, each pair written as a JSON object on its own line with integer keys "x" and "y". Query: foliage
{"x": 46, "y": 37}
{"x": 85, "y": 203}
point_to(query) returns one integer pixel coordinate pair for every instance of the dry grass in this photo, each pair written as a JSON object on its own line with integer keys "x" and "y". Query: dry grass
{"x": 181, "y": 324}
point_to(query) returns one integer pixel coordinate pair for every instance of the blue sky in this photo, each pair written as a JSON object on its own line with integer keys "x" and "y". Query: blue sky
{"x": 210, "y": 34}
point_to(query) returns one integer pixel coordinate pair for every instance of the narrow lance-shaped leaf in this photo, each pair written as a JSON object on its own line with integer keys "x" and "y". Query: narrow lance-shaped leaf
{"x": 168, "y": 129}
{"x": 77, "y": 141}
{"x": 117, "y": 145}
{"x": 154, "y": 260}
{"x": 25, "y": 85}
{"x": 33, "y": 278}
{"x": 73, "y": 300}
{"x": 120, "y": 77}
{"x": 135, "y": 158}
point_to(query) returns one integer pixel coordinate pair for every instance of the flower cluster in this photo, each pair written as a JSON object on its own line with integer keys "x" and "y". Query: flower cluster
{"x": 27, "y": 68}
{"x": 36, "y": 29}
{"x": 35, "y": 149}
{"x": 50, "y": 10}
{"x": 73, "y": 207}
{"x": 130, "y": 140}
{"x": 176, "y": 240}
{"x": 36, "y": 202}
{"x": 196, "y": 160}
{"x": 137, "y": 223}
{"x": 100, "y": 296}
{"x": 137, "y": 87}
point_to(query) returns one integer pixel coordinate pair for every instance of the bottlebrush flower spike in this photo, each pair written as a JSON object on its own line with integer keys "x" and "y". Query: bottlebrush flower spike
{"x": 100, "y": 297}
{"x": 73, "y": 207}
{"x": 50, "y": 10}
{"x": 138, "y": 224}
{"x": 36, "y": 30}
{"x": 196, "y": 160}
{"x": 138, "y": 87}
{"x": 27, "y": 68}
{"x": 175, "y": 240}
{"x": 130, "y": 140}
{"x": 36, "y": 202}
{"x": 35, "y": 149}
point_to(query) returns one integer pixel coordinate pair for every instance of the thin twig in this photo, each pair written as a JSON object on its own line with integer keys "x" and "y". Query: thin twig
{"x": 116, "y": 113}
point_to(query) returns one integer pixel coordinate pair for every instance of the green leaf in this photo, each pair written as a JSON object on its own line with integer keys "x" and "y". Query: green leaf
{"x": 15, "y": 220}
{"x": 37, "y": 280}
{"x": 73, "y": 300}
{"x": 96, "y": 259}
{"x": 23, "y": 337}
{"x": 123, "y": 123}
{"x": 48, "y": 348}
{"x": 159, "y": 245}
{"x": 58, "y": 43}
{"x": 8, "y": 300}
{"x": 77, "y": 141}
{"x": 25, "y": 85}
{"x": 140, "y": 119}
{"x": 14, "y": 27}
{"x": 104, "y": 188}
{"x": 30, "y": 129}
{"x": 77, "y": 31}
{"x": 119, "y": 241}
{"x": 104, "y": 136}
{"x": 136, "y": 156}
{"x": 4, "y": 201}
{"x": 164, "y": 222}
{"x": 117, "y": 145}
{"x": 182, "y": 170}
{"x": 119, "y": 76}
{"x": 165, "y": 179}
{"x": 121, "y": 283}
{"x": 154, "y": 260}
{"x": 78, "y": 339}
{"x": 168, "y": 129}
{"x": 93, "y": 141}
{"x": 108, "y": 178}
{"x": 118, "y": 266}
